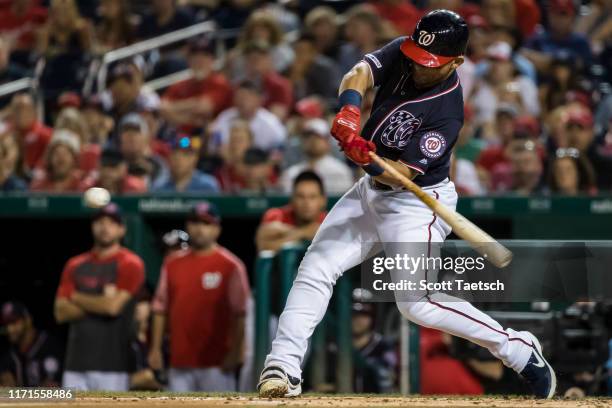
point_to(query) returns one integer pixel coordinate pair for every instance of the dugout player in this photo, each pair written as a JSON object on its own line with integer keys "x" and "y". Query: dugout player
{"x": 34, "y": 358}
{"x": 297, "y": 221}
{"x": 96, "y": 297}
{"x": 416, "y": 118}
{"x": 202, "y": 297}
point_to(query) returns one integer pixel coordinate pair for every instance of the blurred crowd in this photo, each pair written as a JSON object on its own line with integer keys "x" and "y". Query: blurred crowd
{"x": 252, "y": 109}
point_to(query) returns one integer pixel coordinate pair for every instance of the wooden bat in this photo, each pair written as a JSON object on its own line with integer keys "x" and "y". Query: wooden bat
{"x": 482, "y": 242}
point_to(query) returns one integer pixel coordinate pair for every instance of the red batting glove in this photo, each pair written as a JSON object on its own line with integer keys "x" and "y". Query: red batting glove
{"x": 358, "y": 150}
{"x": 346, "y": 124}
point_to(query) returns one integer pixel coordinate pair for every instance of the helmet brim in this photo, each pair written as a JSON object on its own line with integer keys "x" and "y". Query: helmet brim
{"x": 423, "y": 57}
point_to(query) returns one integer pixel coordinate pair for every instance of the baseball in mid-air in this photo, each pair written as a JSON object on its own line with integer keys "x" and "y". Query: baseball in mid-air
{"x": 97, "y": 197}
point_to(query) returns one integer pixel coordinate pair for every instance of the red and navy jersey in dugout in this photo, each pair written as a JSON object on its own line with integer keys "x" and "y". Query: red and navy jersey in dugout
{"x": 417, "y": 127}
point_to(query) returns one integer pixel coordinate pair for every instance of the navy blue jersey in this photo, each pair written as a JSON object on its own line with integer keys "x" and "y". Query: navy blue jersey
{"x": 417, "y": 127}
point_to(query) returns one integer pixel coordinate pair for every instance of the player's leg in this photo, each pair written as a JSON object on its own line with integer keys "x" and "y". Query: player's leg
{"x": 181, "y": 380}
{"x": 339, "y": 245}
{"x": 109, "y": 381}
{"x": 443, "y": 312}
{"x": 76, "y": 380}
{"x": 213, "y": 379}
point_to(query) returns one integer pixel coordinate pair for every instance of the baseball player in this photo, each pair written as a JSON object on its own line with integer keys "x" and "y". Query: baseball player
{"x": 416, "y": 117}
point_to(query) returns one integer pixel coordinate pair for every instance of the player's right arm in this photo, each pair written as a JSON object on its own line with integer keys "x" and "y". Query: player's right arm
{"x": 159, "y": 306}
{"x": 64, "y": 309}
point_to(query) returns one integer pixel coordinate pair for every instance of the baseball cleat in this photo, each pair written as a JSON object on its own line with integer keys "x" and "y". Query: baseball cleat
{"x": 274, "y": 382}
{"x": 538, "y": 373}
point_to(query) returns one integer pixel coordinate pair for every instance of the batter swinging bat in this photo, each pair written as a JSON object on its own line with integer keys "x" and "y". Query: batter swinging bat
{"x": 482, "y": 242}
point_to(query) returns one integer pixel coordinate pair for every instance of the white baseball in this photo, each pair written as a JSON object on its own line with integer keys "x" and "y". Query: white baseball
{"x": 97, "y": 197}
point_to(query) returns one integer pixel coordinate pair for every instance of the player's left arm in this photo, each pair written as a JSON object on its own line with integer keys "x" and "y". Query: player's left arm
{"x": 112, "y": 301}
{"x": 238, "y": 293}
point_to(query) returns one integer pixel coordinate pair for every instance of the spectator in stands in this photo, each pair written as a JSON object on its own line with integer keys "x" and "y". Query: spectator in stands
{"x": 112, "y": 174}
{"x": 322, "y": 23}
{"x": 277, "y": 90}
{"x": 524, "y": 174}
{"x": 559, "y": 38}
{"x": 196, "y": 101}
{"x": 402, "y": 14}
{"x": 596, "y": 24}
{"x": 563, "y": 78}
{"x": 65, "y": 41}
{"x": 570, "y": 173}
{"x": 115, "y": 28}
{"x": 183, "y": 175}
{"x": 136, "y": 146}
{"x": 268, "y": 131}
{"x": 336, "y": 175}
{"x": 9, "y": 71}
{"x": 502, "y": 77}
{"x": 165, "y": 16}
{"x": 579, "y": 133}
{"x": 61, "y": 173}
{"x": 99, "y": 124}
{"x": 96, "y": 297}
{"x": 9, "y": 157}
{"x": 202, "y": 293}
{"x": 31, "y": 134}
{"x": 72, "y": 119}
{"x": 34, "y": 358}
{"x": 313, "y": 73}
{"x": 363, "y": 30}
{"x": 18, "y": 26}
{"x": 259, "y": 173}
{"x": 124, "y": 84}
{"x": 262, "y": 26}
{"x": 500, "y": 136}
{"x": 232, "y": 174}
{"x": 297, "y": 221}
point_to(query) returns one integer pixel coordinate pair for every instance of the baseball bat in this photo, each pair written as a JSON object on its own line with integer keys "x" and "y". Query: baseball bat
{"x": 482, "y": 242}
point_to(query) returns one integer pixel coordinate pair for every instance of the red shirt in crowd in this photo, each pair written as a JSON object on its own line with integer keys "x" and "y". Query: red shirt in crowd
{"x": 404, "y": 16}
{"x": 90, "y": 273}
{"x": 215, "y": 86}
{"x": 34, "y": 144}
{"x": 231, "y": 181}
{"x": 200, "y": 295}
{"x": 277, "y": 91}
{"x": 23, "y": 26}
{"x": 129, "y": 185}
{"x": 42, "y": 182}
{"x": 286, "y": 215}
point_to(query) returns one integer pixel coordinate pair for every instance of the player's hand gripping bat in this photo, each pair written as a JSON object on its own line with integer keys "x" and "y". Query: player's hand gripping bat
{"x": 482, "y": 242}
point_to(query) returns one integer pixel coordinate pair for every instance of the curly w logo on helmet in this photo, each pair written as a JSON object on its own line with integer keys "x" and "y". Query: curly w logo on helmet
{"x": 425, "y": 38}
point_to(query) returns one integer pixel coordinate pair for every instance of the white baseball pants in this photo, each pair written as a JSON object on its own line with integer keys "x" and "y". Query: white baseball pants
{"x": 366, "y": 218}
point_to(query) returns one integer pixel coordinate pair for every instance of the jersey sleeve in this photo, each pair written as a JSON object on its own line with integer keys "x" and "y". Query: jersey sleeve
{"x": 159, "y": 304}
{"x": 427, "y": 146}
{"x": 66, "y": 286}
{"x": 131, "y": 275}
{"x": 271, "y": 215}
{"x": 381, "y": 60}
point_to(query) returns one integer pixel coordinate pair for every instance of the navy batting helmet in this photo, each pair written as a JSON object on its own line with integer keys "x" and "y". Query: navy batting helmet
{"x": 439, "y": 36}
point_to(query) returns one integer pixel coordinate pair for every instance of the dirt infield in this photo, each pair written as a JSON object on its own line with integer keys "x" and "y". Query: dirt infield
{"x": 315, "y": 402}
